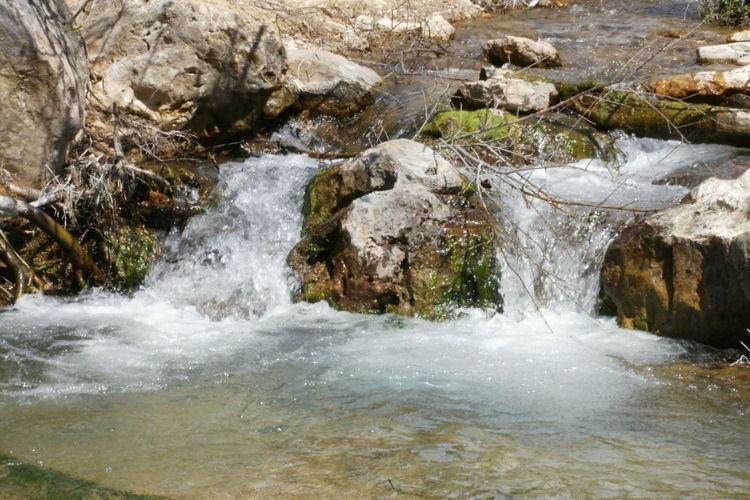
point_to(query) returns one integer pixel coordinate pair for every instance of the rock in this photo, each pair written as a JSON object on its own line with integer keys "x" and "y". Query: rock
{"x": 436, "y": 27}
{"x": 399, "y": 230}
{"x": 740, "y": 36}
{"x": 708, "y": 86}
{"x": 43, "y": 77}
{"x": 193, "y": 64}
{"x": 521, "y": 52}
{"x": 554, "y": 138}
{"x": 503, "y": 90}
{"x": 685, "y": 271}
{"x": 328, "y": 84}
{"x": 648, "y": 116}
{"x": 730, "y": 53}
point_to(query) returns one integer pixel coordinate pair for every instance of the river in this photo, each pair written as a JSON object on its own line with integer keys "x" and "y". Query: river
{"x": 209, "y": 382}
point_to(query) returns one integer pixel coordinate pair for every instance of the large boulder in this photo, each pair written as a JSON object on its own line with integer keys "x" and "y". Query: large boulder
{"x": 397, "y": 229}
{"x": 521, "y": 52}
{"x": 192, "y": 65}
{"x": 43, "y": 78}
{"x": 504, "y": 90}
{"x": 685, "y": 271}
{"x": 323, "y": 83}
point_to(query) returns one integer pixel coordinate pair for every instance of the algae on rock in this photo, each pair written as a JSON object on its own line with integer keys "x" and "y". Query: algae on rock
{"x": 396, "y": 230}
{"x": 557, "y": 138}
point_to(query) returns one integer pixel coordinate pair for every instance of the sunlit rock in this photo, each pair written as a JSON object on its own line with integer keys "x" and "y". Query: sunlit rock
{"x": 43, "y": 79}
{"x": 503, "y": 90}
{"x": 729, "y": 53}
{"x": 521, "y": 52}
{"x": 685, "y": 271}
{"x": 397, "y": 229}
{"x": 726, "y": 87}
{"x": 325, "y": 83}
{"x": 193, "y": 65}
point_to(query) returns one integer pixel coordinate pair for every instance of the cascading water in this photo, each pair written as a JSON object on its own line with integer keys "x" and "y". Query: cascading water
{"x": 214, "y": 359}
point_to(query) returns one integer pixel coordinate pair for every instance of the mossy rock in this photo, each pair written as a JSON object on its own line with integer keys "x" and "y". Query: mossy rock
{"x": 397, "y": 230}
{"x": 557, "y": 138}
{"x": 131, "y": 251}
{"x": 648, "y": 116}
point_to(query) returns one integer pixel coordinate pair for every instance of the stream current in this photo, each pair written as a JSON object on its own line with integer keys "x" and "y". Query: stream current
{"x": 209, "y": 382}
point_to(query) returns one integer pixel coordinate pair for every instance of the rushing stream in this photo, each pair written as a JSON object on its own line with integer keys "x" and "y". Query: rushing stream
{"x": 210, "y": 382}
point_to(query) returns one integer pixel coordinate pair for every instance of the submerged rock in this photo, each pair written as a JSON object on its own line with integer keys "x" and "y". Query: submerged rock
{"x": 521, "y": 52}
{"x": 398, "y": 229}
{"x": 554, "y": 138}
{"x": 191, "y": 65}
{"x": 43, "y": 77}
{"x": 649, "y": 116}
{"x": 503, "y": 90}
{"x": 685, "y": 271}
{"x": 325, "y": 83}
{"x": 717, "y": 87}
{"x": 729, "y": 53}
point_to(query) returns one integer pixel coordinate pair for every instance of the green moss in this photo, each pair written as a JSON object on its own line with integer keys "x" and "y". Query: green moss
{"x": 648, "y": 116}
{"x": 729, "y": 12}
{"x": 488, "y": 124}
{"x": 321, "y": 198}
{"x": 24, "y": 480}
{"x": 131, "y": 251}
{"x": 556, "y": 138}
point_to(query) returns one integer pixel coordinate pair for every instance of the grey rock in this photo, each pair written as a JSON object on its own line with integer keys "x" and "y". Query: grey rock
{"x": 521, "y": 52}
{"x": 43, "y": 78}
{"x": 190, "y": 64}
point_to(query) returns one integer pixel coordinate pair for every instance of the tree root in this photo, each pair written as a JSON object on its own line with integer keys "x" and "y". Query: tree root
{"x": 79, "y": 257}
{"x": 25, "y": 279}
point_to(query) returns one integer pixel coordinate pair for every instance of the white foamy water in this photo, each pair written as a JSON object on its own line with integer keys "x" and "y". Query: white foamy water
{"x": 220, "y": 300}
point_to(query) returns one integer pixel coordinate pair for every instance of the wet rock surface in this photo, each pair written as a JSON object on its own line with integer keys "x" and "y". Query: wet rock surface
{"x": 43, "y": 77}
{"x": 685, "y": 271}
{"x": 730, "y": 87}
{"x": 396, "y": 230}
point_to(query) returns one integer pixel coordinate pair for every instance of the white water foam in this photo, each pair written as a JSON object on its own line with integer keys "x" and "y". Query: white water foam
{"x": 220, "y": 303}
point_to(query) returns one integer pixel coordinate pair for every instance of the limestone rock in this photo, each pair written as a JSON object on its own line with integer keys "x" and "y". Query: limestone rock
{"x": 685, "y": 271}
{"x": 521, "y": 52}
{"x": 436, "y": 27}
{"x": 740, "y": 36}
{"x": 327, "y": 83}
{"x": 396, "y": 229}
{"x": 503, "y": 90}
{"x": 729, "y": 53}
{"x": 188, "y": 64}
{"x": 706, "y": 85}
{"x": 43, "y": 78}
